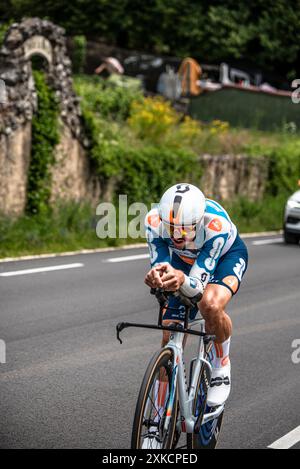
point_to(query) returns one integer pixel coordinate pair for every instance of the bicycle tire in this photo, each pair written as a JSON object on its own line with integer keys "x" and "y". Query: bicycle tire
{"x": 163, "y": 358}
{"x": 209, "y": 433}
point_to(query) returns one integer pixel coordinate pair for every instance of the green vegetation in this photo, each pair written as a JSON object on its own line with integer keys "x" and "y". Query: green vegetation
{"x": 103, "y": 98}
{"x": 255, "y": 217}
{"x": 139, "y": 146}
{"x": 131, "y": 142}
{"x": 79, "y": 53}
{"x": 69, "y": 227}
{"x": 4, "y": 27}
{"x": 264, "y": 33}
{"x": 72, "y": 227}
{"x": 45, "y": 136}
{"x": 284, "y": 167}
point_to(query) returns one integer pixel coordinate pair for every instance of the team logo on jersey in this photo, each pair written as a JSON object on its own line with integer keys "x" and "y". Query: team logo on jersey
{"x": 240, "y": 268}
{"x": 187, "y": 260}
{"x": 215, "y": 225}
{"x": 217, "y": 246}
{"x": 154, "y": 220}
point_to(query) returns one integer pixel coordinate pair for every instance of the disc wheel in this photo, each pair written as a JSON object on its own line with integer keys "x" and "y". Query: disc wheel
{"x": 209, "y": 433}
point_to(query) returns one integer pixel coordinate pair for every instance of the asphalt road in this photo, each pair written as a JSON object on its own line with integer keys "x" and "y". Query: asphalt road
{"x": 67, "y": 382}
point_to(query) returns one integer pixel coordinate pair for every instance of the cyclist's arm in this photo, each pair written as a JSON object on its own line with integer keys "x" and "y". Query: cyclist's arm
{"x": 194, "y": 284}
{"x": 158, "y": 248}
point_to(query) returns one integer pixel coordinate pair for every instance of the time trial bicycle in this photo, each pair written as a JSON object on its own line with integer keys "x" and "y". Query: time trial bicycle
{"x": 167, "y": 404}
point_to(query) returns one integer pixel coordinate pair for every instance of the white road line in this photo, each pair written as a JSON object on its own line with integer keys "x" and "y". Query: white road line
{"x": 262, "y": 242}
{"x": 127, "y": 258}
{"x": 287, "y": 441}
{"x": 41, "y": 269}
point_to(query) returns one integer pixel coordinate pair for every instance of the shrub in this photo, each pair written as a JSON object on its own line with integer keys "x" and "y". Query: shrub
{"x": 264, "y": 215}
{"x": 45, "y": 136}
{"x": 152, "y": 118}
{"x": 79, "y": 53}
{"x": 284, "y": 167}
{"x": 142, "y": 171}
{"x": 105, "y": 99}
{"x": 148, "y": 171}
{"x": 217, "y": 127}
{"x": 189, "y": 130}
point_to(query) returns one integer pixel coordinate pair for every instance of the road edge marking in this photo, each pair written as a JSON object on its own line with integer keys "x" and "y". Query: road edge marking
{"x": 38, "y": 270}
{"x": 287, "y": 441}
{"x": 266, "y": 242}
{"x": 127, "y": 258}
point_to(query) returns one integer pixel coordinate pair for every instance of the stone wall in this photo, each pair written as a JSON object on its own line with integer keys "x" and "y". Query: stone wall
{"x": 229, "y": 176}
{"x": 23, "y": 41}
{"x": 14, "y": 163}
{"x": 72, "y": 176}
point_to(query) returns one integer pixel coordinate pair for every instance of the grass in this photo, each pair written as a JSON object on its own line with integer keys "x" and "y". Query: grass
{"x": 70, "y": 227}
{"x": 252, "y": 217}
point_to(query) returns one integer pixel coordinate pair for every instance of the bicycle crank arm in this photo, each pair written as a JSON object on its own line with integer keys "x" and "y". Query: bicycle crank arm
{"x": 213, "y": 415}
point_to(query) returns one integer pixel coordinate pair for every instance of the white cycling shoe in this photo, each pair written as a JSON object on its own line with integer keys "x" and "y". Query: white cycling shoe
{"x": 220, "y": 386}
{"x": 152, "y": 440}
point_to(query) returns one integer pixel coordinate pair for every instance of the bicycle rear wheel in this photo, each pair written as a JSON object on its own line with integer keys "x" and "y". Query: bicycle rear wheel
{"x": 209, "y": 433}
{"x": 156, "y": 393}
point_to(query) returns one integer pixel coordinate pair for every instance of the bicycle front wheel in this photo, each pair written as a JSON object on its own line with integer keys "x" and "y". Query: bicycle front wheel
{"x": 157, "y": 402}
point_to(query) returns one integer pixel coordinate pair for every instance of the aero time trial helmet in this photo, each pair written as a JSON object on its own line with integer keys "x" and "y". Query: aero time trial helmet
{"x": 182, "y": 205}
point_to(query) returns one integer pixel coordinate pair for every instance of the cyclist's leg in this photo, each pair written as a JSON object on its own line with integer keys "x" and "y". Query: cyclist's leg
{"x": 224, "y": 284}
{"x": 212, "y": 306}
{"x": 217, "y": 295}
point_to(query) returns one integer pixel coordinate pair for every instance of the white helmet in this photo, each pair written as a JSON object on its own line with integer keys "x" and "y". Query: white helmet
{"x": 182, "y": 205}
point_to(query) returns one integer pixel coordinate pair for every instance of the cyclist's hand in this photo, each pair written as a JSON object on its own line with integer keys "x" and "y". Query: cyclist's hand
{"x": 172, "y": 279}
{"x": 153, "y": 277}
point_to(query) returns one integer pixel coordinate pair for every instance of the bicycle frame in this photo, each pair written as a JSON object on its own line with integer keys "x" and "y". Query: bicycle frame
{"x": 186, "y": 396}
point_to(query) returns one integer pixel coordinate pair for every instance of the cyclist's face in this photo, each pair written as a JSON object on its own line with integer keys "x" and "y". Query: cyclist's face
{"x": 181, "y": 234}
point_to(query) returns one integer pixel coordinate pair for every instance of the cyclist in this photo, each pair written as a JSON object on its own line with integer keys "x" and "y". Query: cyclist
{"x": 196, "y": 249}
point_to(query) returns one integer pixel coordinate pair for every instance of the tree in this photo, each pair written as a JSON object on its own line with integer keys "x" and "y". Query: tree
{"x": 264, "y": 32}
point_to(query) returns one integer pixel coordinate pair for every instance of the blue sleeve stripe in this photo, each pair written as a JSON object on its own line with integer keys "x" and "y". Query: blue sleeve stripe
{"x": 216, "y": 209}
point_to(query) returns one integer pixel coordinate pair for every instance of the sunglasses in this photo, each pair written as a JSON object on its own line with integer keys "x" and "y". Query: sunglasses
{"x": 180, "y": 231}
